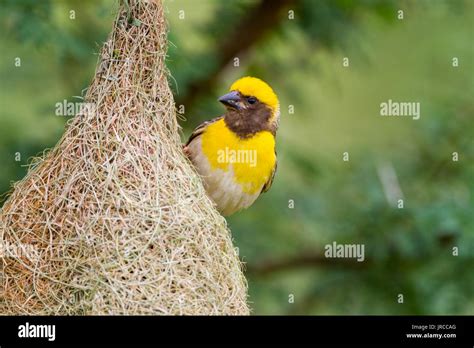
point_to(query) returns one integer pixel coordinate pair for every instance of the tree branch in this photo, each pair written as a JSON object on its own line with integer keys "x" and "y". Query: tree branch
{"x": 306, "y": 260}
{"x": 247, "y": 33}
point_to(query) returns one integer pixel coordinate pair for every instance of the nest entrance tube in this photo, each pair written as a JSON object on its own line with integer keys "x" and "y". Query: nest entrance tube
{"x": 114, "y": 220}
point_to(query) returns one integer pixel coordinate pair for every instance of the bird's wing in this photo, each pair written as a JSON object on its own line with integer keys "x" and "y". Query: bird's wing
{"x": 269, "y": 182}
{"x": 200, "y": 129}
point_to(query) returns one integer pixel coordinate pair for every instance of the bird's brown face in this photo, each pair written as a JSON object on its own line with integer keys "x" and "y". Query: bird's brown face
{"x": 246, "y": 115}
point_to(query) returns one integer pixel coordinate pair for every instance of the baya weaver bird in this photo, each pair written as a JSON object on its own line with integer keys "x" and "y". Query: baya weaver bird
{"x": 235, "y": 153}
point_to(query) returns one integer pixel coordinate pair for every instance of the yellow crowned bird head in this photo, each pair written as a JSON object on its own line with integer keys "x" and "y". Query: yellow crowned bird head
{"x": 252, "y": 106}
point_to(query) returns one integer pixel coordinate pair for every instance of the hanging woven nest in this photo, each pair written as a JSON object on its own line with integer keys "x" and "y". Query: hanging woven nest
{"x": 113, "y": 219}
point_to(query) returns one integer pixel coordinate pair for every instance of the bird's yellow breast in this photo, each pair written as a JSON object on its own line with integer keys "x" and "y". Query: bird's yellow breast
{"x": 252, "y": 160}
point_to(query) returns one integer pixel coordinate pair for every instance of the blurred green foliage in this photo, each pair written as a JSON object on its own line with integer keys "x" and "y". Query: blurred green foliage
{"x": 336, "y": 109}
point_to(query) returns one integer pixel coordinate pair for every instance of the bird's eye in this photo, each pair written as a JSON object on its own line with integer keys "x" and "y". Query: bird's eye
{"x": 252, "y": 100}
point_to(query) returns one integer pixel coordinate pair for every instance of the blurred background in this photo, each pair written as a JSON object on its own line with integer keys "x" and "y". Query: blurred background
{"x": 328, "y": 108}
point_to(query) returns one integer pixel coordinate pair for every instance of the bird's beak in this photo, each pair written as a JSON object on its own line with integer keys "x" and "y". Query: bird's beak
{"x": 231, "y": 99}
